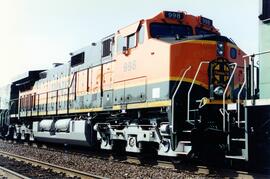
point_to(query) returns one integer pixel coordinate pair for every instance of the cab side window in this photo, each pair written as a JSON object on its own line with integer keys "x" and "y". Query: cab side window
{"x": 265, "y": 16}
{"x": 121, "y": 42}
{"x": 141, "y": 35}
{"x": 131, "y": 41}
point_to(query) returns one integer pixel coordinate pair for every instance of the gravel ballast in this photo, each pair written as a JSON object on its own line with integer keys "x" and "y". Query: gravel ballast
{"x": 97, "y": 166}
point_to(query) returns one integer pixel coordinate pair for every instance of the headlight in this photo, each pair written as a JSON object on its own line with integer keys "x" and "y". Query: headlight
{"x": 219, "y": 90}
{"x": 220, "y": 52}
{"x": 220, "y": 48}
{"x": 220, "y": 45}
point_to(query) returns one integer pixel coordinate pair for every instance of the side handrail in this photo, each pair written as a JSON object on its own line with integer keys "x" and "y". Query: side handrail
{"x": 2, "y": 118}
{"x": 228, "y": 120}
{"x": 221, "y": 110}
{"x": 225, "y": 91}
{"x": 174, "y": 94}
{"x": 191, "y": 86}
{"x": 240, "y": 91}
{"x": 6, "y": 117}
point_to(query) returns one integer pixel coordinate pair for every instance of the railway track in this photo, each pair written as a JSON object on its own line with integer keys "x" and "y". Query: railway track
{"x": 6, "y": 173}
{"x": 220, "y": 172}
{"x": 197, "y": 169}
{"x": 53, "y": 167}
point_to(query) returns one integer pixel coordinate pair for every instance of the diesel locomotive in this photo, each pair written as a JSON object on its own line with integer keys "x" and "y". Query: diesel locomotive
{"x": 171, "y": 83}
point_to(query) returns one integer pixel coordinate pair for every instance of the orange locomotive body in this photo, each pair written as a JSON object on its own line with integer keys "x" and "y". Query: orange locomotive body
{"x": 158, "y": 82}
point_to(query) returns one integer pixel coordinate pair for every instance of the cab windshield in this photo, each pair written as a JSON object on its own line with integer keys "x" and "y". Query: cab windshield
{"x": 161, "y": 30}
{"x": 201, "y": 31}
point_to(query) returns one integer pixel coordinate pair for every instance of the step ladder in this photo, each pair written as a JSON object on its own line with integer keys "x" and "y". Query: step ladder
{"x": 183, "y": 146}
{"x": 237, "y": 143}
{"x": 192, "y": 121}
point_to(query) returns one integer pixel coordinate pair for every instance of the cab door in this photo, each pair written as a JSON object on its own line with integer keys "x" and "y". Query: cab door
{"x": 107, "y": 99}
{"x": 107, "y": 81}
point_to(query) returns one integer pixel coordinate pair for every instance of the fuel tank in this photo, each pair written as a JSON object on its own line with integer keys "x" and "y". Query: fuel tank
{"x": 62, "y": 125}
{"x": 45, "y": 124}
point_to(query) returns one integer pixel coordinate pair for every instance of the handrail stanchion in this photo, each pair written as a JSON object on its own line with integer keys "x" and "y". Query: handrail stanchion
{"x": 174, "y": 94}
{"x": 240, "y": 91}
{"x": 224, "y": 94}
{"x": 191, "y": 86}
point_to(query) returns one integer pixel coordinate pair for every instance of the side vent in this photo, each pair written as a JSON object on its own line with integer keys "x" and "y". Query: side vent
{"x": 106, "y": 51}
{"x": 77, "y": 59}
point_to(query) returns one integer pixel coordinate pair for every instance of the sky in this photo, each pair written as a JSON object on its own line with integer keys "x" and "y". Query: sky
{"x": 34, "y": 34}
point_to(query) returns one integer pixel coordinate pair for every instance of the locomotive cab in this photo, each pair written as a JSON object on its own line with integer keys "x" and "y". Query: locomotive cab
{"x": 215, "y": 74}
{"x": 159, "y": 61}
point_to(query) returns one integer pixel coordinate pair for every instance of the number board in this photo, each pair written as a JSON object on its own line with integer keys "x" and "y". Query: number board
{"x": 206, "y": 21}
{"x": 173, "y": 15}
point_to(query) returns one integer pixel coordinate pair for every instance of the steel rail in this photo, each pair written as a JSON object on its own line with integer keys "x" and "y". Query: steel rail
{"x": 6, "y": 173}
{"x": 53, "y": 167}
